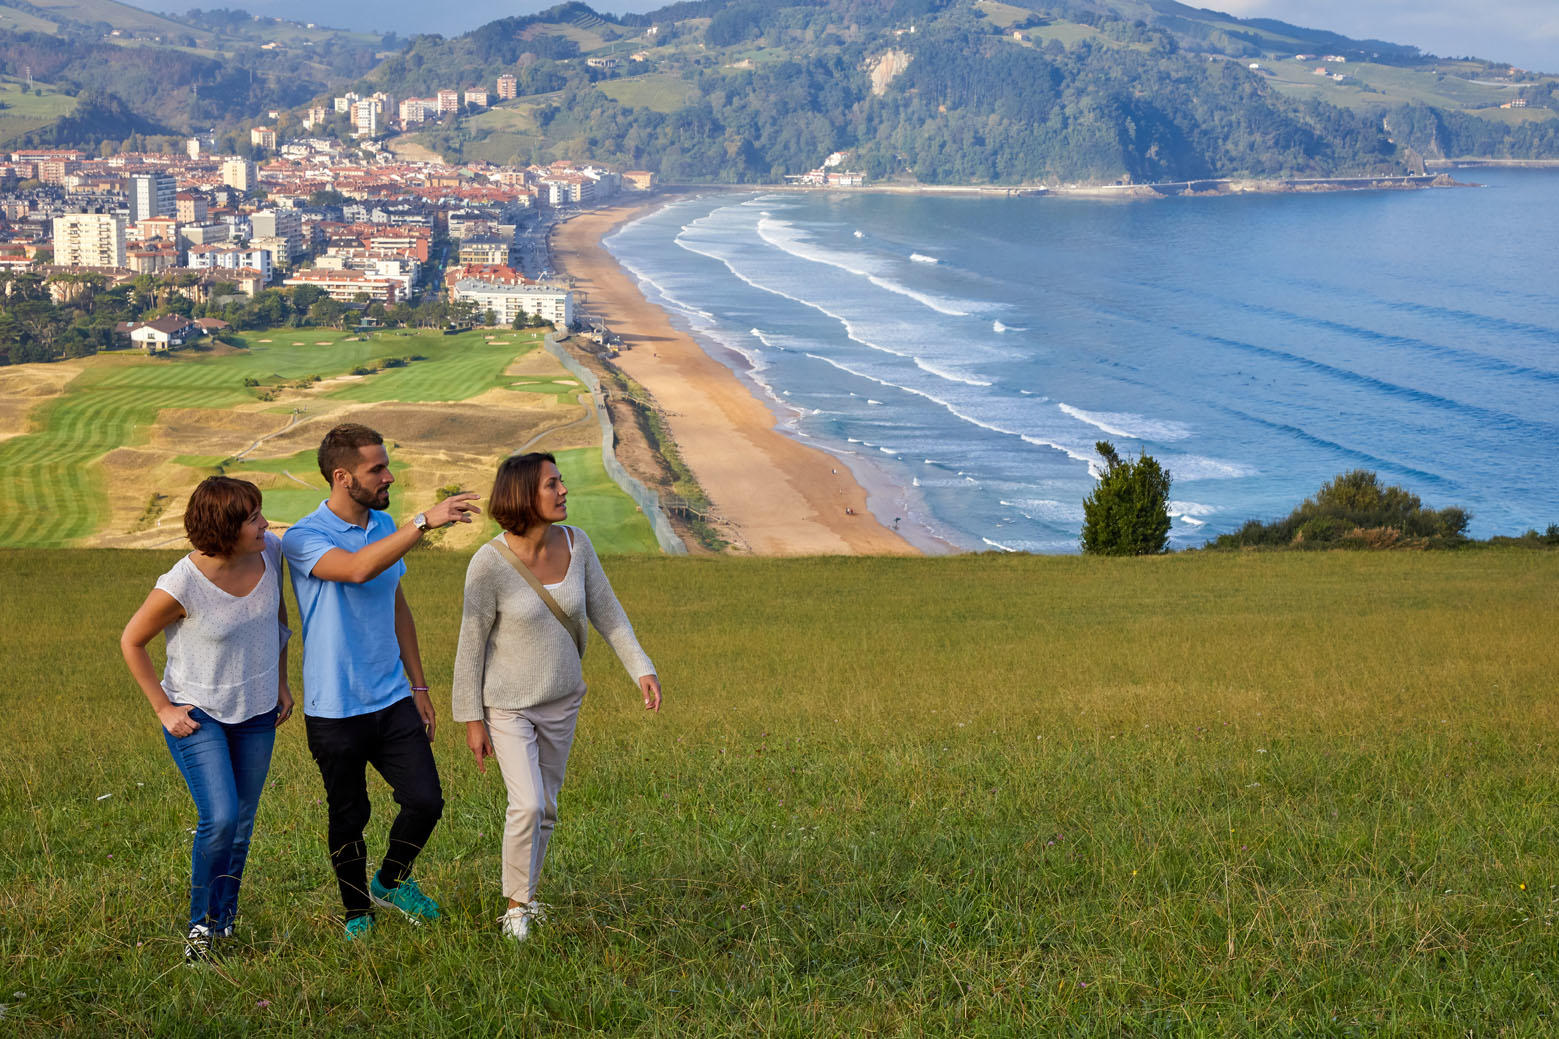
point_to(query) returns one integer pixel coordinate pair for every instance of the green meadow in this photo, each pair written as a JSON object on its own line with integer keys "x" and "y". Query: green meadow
{"x": 52, "y": 470}
{"x": 1243, "y": 794}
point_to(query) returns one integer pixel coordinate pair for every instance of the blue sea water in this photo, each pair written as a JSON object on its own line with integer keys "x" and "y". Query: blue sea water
{"x": 963, "y": 355}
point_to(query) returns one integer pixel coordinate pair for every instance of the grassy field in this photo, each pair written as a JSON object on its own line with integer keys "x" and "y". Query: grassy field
{"x": 1201, "y": 795}
{"x": 25, "y": 111}
{"x": 658, "y": 91}
{"x": 53, "y": 471}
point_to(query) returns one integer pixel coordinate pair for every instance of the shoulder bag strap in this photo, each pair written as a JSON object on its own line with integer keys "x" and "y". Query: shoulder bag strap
{"x": 541, "y": 591}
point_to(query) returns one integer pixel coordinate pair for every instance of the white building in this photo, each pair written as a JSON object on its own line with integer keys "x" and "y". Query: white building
{"x": 230, "y": 257}
{"x": 549, "y": 302}
{"x": 151, "y": 194}
{"x": 89, "y": 240}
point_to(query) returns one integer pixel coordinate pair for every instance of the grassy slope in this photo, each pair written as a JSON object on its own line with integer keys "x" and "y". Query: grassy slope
{"x": 51, "y": 472}
{"x": 25, "y": 111}
{"x": 1270, "y": 795}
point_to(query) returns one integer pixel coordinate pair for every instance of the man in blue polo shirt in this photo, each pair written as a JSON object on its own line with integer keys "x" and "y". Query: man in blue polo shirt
{"x": 359, "y": 650}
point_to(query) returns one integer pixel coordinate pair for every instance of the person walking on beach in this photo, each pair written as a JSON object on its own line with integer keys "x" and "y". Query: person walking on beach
{"x": 518, "y": 684}
{"x": 359, "y": 650}
{"x": 224, "y": 686}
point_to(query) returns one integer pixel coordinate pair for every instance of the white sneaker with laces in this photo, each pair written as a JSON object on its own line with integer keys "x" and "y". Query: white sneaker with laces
{"x": 197, "y": 944}
{"x": 516, "y": 922}
{"x": 538, "y": 910}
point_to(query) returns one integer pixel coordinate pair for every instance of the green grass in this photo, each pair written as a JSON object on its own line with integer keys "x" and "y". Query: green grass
{"x": 661, "y": 92}
{"x": 449, "y": 373}
{"x": 612, "y": 520}
{"x": 51, "y": 492}
{"x": 25, "y": 111}
{"x": 1204, "y": 795}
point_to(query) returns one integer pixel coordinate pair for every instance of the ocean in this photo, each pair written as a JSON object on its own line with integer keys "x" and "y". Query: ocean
{"x": 963, "y": 355}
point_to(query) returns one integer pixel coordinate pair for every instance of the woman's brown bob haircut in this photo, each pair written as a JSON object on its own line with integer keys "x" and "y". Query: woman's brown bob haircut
{"x": 216, "y": 513}
{"x": 513, "y": 501}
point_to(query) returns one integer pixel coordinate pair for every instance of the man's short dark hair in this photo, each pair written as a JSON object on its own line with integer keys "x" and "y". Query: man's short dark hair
{"x": 339, "y": 449}
{"x": 513, "y": 501}
{"x": 216, "y": 512}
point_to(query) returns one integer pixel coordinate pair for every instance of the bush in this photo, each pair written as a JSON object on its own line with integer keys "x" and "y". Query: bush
{"x": 1355, "y": 510}
{"x": 1128, "y": 512}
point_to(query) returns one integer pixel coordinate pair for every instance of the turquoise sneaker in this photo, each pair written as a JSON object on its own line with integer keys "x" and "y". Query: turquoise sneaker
{"x": 405, "y": 896}
{"x": 359, "y": 927}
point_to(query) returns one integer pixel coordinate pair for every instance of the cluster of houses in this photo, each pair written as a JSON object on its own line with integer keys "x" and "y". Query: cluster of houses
{"x": 227, "y": 223}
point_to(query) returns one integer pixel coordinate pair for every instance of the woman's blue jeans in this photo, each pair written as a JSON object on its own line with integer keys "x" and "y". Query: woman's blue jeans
{"x": 225, "y": 767}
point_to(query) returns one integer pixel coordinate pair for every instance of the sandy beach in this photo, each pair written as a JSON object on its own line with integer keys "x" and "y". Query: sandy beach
{"x": 782, "y": 497}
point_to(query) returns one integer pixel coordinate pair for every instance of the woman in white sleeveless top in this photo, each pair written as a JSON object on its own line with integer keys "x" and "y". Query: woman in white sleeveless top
{"x": 224, "y": 689}
{"x": 518, "y": 683}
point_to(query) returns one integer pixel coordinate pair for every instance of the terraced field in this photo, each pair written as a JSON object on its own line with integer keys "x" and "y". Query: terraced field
{"x": 54, "y": 490}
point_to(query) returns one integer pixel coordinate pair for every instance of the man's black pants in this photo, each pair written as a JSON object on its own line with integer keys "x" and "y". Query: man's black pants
{"x": 394, "y": 741}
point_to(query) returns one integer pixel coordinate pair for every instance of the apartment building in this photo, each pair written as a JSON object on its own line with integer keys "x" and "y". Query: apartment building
{"x": 191, "y": 208}
{"x": 230, "y": 257}
{"x": 509, "y": 301}
{"x": 240, "y": 174}
{"x": 89, "y": 240}
{"x": 508, "y": 87}
{"x": 347, "y": 285}
{"x": 151, "y": 195}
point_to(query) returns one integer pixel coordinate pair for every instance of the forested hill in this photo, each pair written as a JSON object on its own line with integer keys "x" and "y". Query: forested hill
{"x": 953, "y": 91}
{"x": 739, "y": 91}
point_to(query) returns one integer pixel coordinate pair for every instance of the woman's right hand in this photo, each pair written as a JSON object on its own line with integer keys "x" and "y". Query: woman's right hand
{"x": 481, "y": 749}
{"x": 175, "y": 718}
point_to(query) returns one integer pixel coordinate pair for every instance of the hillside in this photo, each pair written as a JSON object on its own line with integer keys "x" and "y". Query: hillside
{"x": 171, "y": 75}
{"x": 959, "y": 92}
{"x": 1236, "y": 795}
{"x": 930, "y": 91}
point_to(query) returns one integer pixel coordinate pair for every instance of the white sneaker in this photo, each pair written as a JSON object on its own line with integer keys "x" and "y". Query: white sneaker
{"x": 516, "y": 922}
{"x": 197, "y": 944}
{"x": 538, "y": 910}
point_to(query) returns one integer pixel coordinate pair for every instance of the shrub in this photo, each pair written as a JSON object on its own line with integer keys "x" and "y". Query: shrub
{"x": 1128, "y": 512}
{"x": 1356, "y": 510}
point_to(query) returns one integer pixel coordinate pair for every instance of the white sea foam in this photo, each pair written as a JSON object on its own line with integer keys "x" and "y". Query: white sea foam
{"x": 1047, "y": 509}
{"x": 1076, "y": 452}
{"x": 878, "y": 403}
{"x": 857, "y": 233}
{"x": 998, "y": 545}
{"x": 789, "y": 239}
{"x": 1125, "y": 424}
{"x": 923, "y": 258}
{"x": 943, "y": 373}
{"x": 1199, "y": 467}
{"x": 1190, "y": 508}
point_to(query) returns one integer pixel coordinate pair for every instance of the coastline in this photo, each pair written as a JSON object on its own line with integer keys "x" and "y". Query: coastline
{"x": 782, "y": 497}
{"x": 1210, "y": 186}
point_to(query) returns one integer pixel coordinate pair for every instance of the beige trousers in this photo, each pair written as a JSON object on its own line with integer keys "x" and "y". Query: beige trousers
{"x": 531, "y": 746}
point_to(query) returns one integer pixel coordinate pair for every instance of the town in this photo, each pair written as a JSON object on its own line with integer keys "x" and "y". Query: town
{"x": 350, "y": 236}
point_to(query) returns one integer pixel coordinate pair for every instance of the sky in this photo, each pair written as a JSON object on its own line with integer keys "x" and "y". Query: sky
{"x": 1523, "y": 32}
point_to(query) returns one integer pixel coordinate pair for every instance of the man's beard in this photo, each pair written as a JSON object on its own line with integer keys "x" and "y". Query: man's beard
{"x": 379, "y": 499}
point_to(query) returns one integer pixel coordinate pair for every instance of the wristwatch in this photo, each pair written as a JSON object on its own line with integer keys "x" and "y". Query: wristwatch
{"x": 420, "y": 521}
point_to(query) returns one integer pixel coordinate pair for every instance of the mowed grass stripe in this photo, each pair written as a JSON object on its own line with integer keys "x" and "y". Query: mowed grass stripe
{"x": 53, "y": 471}
{"x": 447, "y": 375}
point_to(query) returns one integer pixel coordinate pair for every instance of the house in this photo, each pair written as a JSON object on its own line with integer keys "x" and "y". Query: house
{"x": 165, "y": 333}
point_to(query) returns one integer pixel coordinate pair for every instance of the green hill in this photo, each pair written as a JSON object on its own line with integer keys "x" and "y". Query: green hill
{"x": 931, "y": 91}
{"x": 957, "y": 92}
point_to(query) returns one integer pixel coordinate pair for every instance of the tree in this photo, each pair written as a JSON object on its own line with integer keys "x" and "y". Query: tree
{"x": 1128, "y": 512}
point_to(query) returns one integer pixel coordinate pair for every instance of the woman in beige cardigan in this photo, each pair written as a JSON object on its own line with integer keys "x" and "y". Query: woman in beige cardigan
{"x": 518, "y": 683}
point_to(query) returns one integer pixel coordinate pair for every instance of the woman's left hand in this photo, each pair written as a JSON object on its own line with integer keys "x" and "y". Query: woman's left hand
{"x": 283, "y": 704}
{"x": 650, "y": 686}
